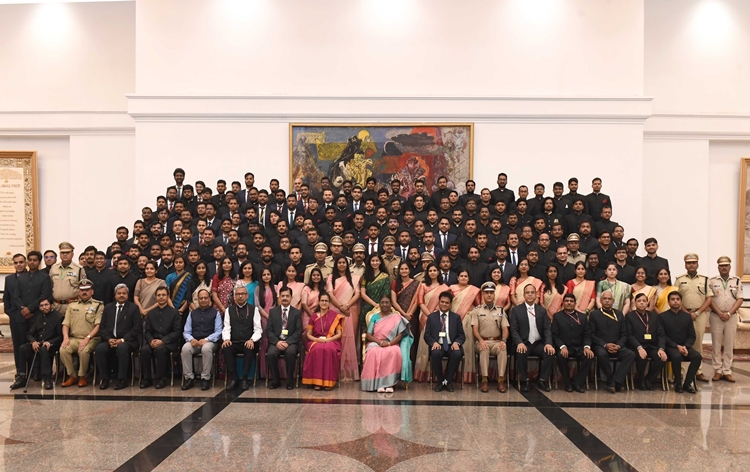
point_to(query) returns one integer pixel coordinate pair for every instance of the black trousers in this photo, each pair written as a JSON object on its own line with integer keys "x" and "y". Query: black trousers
{"x": 652, "y": 352}
{"x": 522, "y": 360}
{"x": 272, "y": 359}
{"x": 18, "y": 331}
{"x": 230, "y": 353}
{"x": 584, "y": 365}
{"x": 106, "y": 357}
{"x": 161, "y": 354}
{"x": 677, "y": 359}
{"x": 625, "y": 358}
{"x": 454, "y": 359}
{"x": 43, "y": 362}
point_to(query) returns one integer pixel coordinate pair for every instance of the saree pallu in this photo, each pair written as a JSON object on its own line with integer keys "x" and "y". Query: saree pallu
{"x": 662, "y": 298}
{"x": 620, "y": 291}
{"x": 584, "y": 293}
{"x": 553, "y": 301}
{"x": 266, "y": 302}
{"x": 406, "y": 299}
{"x": 463, "y": 301}
{"x": 385, "y": 366}
{"x": 322, "y": 360}
{"x": 502, "y": 295}
{"x": 178, "y": 287}
{"x": 310, "y": 297}
{"x": 517, "y": 287}
{"x": 381, "y": 285}
{"x": 647, "y": 290}
{"x": 429, "y": 297}
{"x": 297, "y": 288}
{"x": 349, "y": 360}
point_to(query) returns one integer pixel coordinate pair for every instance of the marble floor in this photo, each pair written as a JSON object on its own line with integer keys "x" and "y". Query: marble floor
{"x": 346, "y": 429}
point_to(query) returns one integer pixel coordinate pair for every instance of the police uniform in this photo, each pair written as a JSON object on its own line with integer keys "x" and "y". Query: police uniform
{"x": 65, "y": 280}
{"x": 579, "y": 256}
{"x": 694, "y": 291}
{"x": 391, "y": 263}
{"x": 490, "y": 321}
{"x": 81, "y": 318}
{"x": 358, "y": 269}
{"x": 325, "y": 268}
{"x": 340, "y": 242}
{"x": 725, "y": 294}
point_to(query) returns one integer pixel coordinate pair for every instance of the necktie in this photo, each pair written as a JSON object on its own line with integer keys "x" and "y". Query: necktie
{"x": 403, "y": 253}
{"x": 226, "y": 240}
{"x": 356, "y": 206}
{"x": 532, "y": 334}
{"x": 117, "y": 315}
{"x": 179, "y": 192}
{"x": 291, "y": 218}
{"x": 284, "y": 320}
{"x": 263, "y": 216}
{"x": 502, "y": 268}
{"x": 372, "y": 247}
{"x": 446, "y": 346}
{"x": 513, "y": 258}
{"x": 171, "y": 205}
{"x": 445, "y": 241}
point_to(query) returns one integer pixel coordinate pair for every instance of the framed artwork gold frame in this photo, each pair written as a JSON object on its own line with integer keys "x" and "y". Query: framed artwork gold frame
{"x": 354, "y": 151}
{"x": 19, "y": 206}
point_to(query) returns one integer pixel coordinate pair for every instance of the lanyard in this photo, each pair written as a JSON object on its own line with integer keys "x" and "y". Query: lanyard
{"x": 443, "y": 319}
{"x": 613, "y": 316}
{"x": 576, "y": 319}
{"x": 645, "y": 323}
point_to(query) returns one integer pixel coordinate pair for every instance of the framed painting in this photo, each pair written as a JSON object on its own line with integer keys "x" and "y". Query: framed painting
{"x": 385, "y": 151}
{"x": 19, "y": 206}
{"x": 743, "y": 238}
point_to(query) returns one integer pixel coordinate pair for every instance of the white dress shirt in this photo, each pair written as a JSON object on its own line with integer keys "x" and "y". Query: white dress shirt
{"x": 226, "y": 333}
{"x": 534, "y": 335}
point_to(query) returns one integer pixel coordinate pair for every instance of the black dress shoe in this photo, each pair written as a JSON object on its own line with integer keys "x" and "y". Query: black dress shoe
{"x": 649, "y": 385}
{"x": 36, "y": 376}
{"x": 188, "y": 384}
{"x": 579, "y": 389}
{"x": 619, "y": 388}
{"x": 146, "y": 383}
{"x": 274, "y": 386}
{"x": 47, "y": 384}
{"x": 678, "y": 388}
{"x": 543, "y": 385}
{"x": 610, "y": 388}
{"x": 245, "y": 384}
{"x": 205, "y": 384}
{"x": 20, "y": 382}
{"x": 121, "y": 384}
{"x": 449, "y": 387}
{"x": 688, "y": 388}
{"x": 231, "y": 385}
{"x": 104, "y": 385}
{"x": 525, "y": 386}
{"x": 439, "y": 387}
{"x": 290, "y": 386}
{"x": 568, "y": 388}
{"x": 161, "y": 383}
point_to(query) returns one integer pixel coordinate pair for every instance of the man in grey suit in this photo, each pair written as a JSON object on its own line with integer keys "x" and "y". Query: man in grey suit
{"x": 284, "y": 332}
{"x": 532, "y": 334}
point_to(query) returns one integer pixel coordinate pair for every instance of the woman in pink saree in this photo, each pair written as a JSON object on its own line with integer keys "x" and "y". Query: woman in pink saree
{"x": 427, "y": 299}
{"x": 265, "y": 299}
{"x": 553, "y": 292}
{"x": 323, "y": 347}
{"x": 387, "y": 357}
{"x": 466, "y": 297}
{"x": 297, "y": 287}
{"x": 343, "y": 287}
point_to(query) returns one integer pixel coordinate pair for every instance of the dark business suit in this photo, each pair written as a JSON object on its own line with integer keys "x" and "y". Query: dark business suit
{"x": 19, "y": 325}
{"x": 679, "y": 331}
{"x": 606, "y": 330}
{"x": 292, "y": 338}
{"x": 520, "y": 330}
{"x": 640, "y": 328}
{"x": 450, "y": 279}
{"x": 439, "y": 240}
{"x": 573, "y": 332}
{"x": 433, "y": 328}
{"x": 46, "y": 328}
{"x": 128, "y": 327}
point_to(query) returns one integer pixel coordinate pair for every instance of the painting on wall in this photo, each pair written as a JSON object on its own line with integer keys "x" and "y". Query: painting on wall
{"x": 406, "y": 152}
{"x": 743, "y": 238}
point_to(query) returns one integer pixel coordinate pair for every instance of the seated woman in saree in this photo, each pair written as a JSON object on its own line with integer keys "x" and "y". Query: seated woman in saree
{"x": 387, "y": 356}
{"x": 323, "y": 346}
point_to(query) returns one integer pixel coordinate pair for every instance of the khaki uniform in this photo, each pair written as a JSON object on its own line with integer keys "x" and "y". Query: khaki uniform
{"x": 81, "y": 318}
{"x": 580, "y": 257}
{"x": 325, "y": 269}
{"x": 489, "y": 322}
{"x": 391, "y": 266}
{"x": 725, "y": 293}
{"x": 358, "y": 270}
{"x": 694, "y": 291}
{"x": 65, "y": 284}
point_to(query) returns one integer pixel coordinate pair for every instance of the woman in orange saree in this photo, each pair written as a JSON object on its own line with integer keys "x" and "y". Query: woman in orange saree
{"x": 466, "y": 297}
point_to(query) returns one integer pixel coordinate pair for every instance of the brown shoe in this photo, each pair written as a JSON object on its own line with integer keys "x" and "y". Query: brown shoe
{"x": 729, "y": 378}
{"x": 70, "y": 382}
{"x": 717, "y": 377}
{"x": 701, "y": 378}
{"x": 501, "y": 385}
{"x": 485, "y": 387}
{"x": 82, "y": 382}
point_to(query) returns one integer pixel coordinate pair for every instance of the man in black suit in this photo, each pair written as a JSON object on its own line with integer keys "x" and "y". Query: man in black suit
{"x": 646, "y": 337}
{"x": 284, "y": 331}
{"x": 570, "y": 331}
{"x": 532, "y": 335}
{"x": 443, "y": 237}
{"x": 19, "y": 325}
{"x": 679, "y": 336}
{"x": 161, "y": 335}
{"x": 445, "y": 335}
{"x": 445, "y": 266}
{"x": 120, "y": 329}
{"x": 609, "y": 332}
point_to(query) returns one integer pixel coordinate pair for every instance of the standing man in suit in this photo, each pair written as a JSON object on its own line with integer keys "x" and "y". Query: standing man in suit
{"x": 284, "y": 331}
{"x": 243, "y": 196}
{"x": 679, "y": 337}
{"x": 120, "y": 329}
{"x": 444, "y": 237}
{"x": 646, "y": 337}
{"x": 532, "y": 335}
{"x": 445, "y": 266}
{"x": 445, "y": 335}
{"x": 570, "y": 331}
{"x": 609, "y": 332}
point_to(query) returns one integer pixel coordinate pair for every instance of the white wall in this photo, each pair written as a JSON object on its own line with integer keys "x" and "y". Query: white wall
{"x": 67, "y": 56}
{"x": 389, "y": 47}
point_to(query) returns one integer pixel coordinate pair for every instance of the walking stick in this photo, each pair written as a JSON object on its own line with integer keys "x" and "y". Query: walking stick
{"x": 26, "y": 388}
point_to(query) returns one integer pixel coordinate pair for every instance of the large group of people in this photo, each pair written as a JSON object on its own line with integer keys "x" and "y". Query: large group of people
{"x": 363, "y": 283}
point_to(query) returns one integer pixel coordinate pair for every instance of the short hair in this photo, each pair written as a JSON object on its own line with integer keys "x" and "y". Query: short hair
{"x": 676, "y": 294}
{"x": 122, "y": 286}
{"x": 178, "y": 170}
{"x": 35, "y": 253}
{"x": 572, "y": 179}
{"x": 162, "y": 288}
{"x": 570, "y": 295}
{"x": 649, "y": 241}
{"x": 286, "y": 288}
{"x": 640, "y": 295}
{"x": 446, "y": 294}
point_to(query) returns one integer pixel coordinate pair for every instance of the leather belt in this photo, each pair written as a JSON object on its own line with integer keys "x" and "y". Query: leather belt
{"x": 493, "y": 339}
{"x": 65, "y": 302}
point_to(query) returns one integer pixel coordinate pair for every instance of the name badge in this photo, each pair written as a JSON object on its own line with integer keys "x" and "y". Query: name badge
{"x": 441, "y": 334}
{"x": 647, "y": 337}
{"x": 284, "y": 332}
